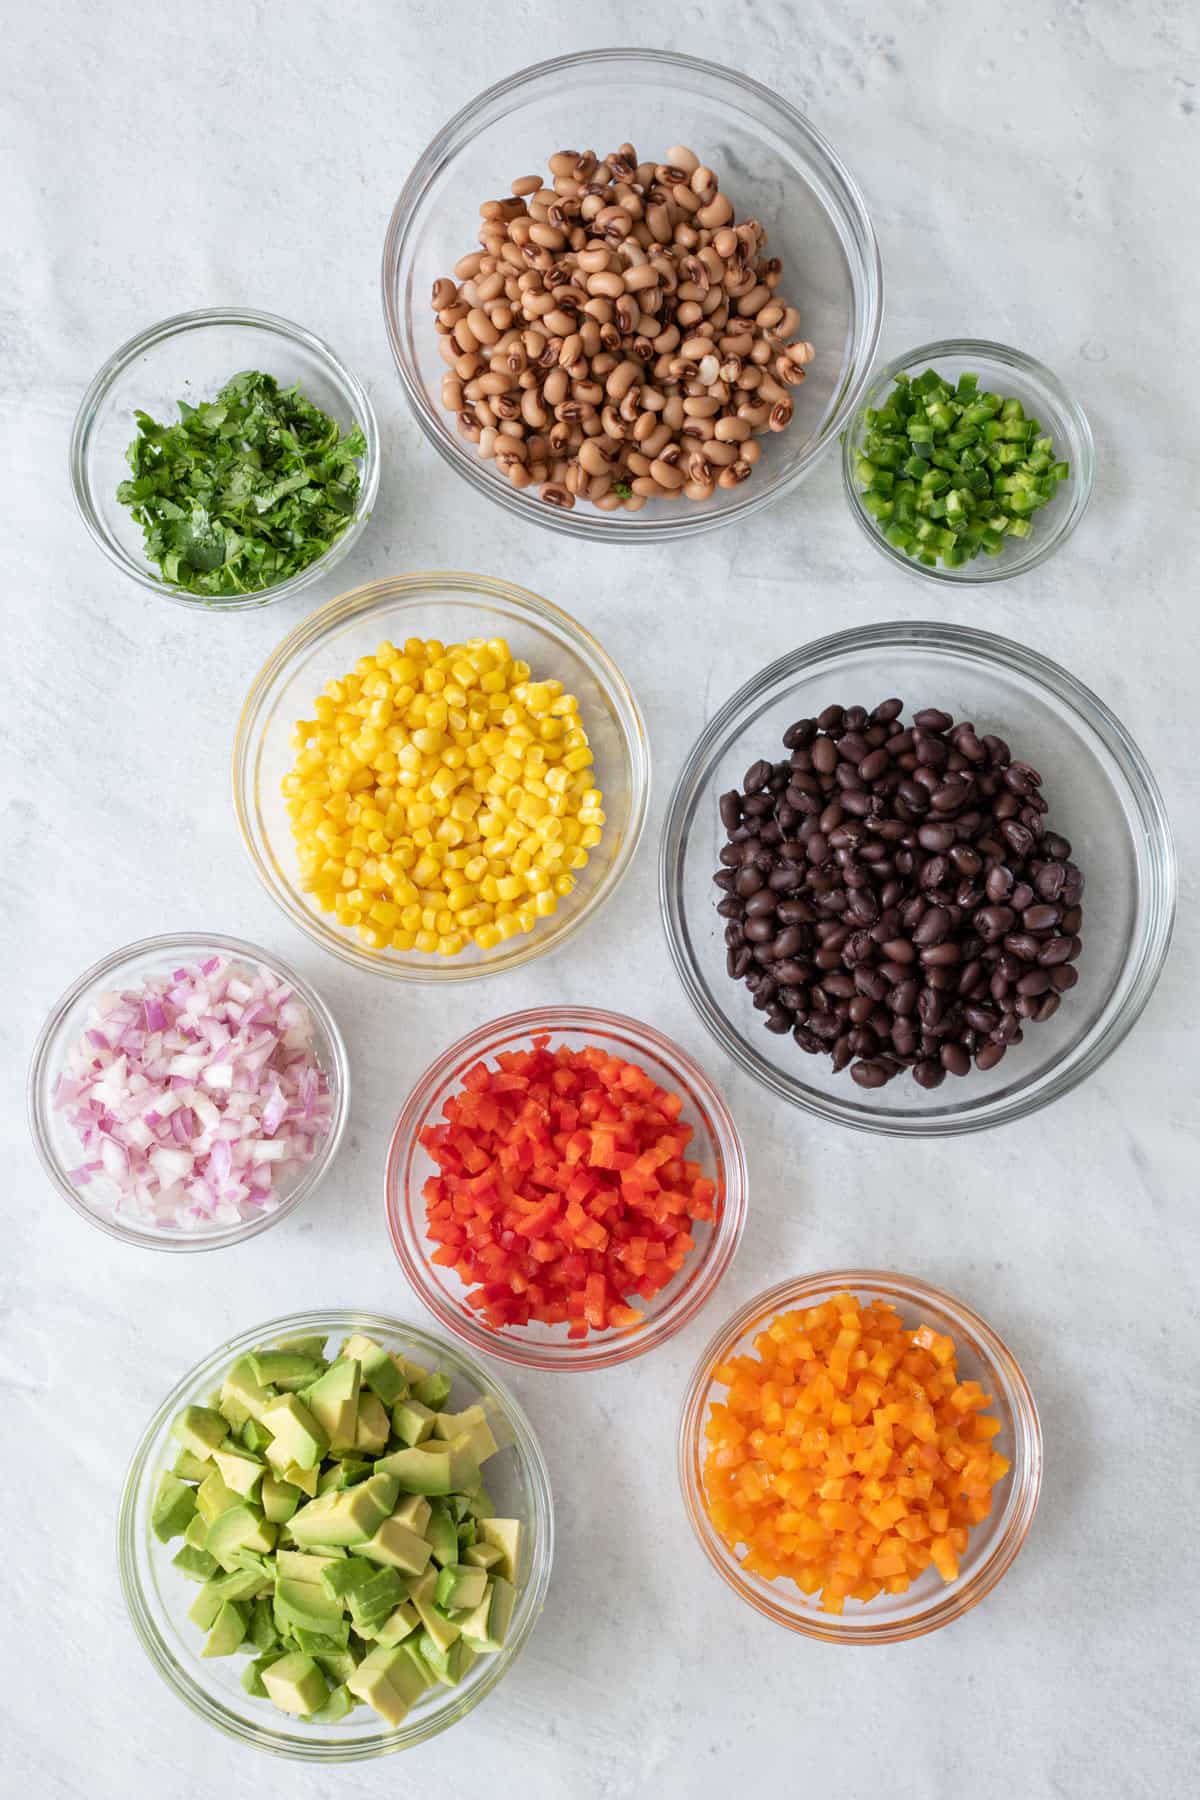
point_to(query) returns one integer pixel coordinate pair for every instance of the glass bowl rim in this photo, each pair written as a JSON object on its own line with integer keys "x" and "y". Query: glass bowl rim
{"x": 145, "y": 951}
{"x": 124, "y": 356}
{"x": 982, "y": 570}
{"x": 628, "y": 529}
{"x": 1156, "y": 901}
{"x": 408, "y": 591}
{"x": 1004, "y": 1367}
{"x": 531, "y": 1599}
{"x": 572, "y": 1356}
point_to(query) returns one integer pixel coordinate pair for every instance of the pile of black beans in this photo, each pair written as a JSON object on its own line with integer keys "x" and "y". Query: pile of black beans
{"x": 892, "y": 896}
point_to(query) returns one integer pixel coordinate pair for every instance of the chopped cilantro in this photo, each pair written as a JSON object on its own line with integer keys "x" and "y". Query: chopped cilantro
{"x": 623, "y": 488}
{"x": 245, "y": 491}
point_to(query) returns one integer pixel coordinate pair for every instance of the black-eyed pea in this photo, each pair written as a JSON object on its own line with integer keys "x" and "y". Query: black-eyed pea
{"x": 731, "y": 430}
{"x": 699, "y": 490}
{"x": 646, "y": 487}
{"x": 717, "y": 211}
{"x": 720, "y": 454}
{"x": 753, "y": 300}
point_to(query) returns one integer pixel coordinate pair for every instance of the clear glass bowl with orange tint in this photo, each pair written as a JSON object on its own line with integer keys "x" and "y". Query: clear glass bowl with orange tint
{"x": 715, "y": 1145}
{"x": 993, "y": 1544}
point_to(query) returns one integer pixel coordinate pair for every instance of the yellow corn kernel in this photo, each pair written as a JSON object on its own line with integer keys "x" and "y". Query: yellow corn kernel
{"x": 487, "y": 936}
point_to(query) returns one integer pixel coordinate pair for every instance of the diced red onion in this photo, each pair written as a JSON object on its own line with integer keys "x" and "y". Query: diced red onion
{"x": 197, "y": 1097}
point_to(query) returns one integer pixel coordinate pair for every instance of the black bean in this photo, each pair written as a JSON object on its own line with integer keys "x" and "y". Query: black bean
{"x": 731, "y": 809}
{"x": 954, "y": 1059}
{"x": 930, "y": 719}
{"x": 933, "y": 927}
{"x": 869, "y": 1074}
{"x": 989, "y": 1055}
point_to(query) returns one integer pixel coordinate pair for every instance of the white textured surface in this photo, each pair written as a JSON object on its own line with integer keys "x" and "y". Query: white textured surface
{"x": 1031, "y": 169}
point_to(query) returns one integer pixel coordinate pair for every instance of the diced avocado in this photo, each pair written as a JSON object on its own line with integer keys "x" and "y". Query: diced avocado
{"x": 391, "y": 1681}
{"x": 299, "y": 1565}
{"x": 239, "y": 1470}
{"x": 350, "y": 1516}
{"x": 251, "y": 1677}
{"x": 482, "y": 1556}
{"x": 459, "y": 1588}
{"x": 379, "y": 1372}
{"x": 395, "y": 1544}
{"x": 447, "y": 1666}
{"x": 413, "y": 1510}
{"x": 229, "y": 1629}
{"x": 373, "y": 1602}
{"x": 374, "y": 1426}
{"x": 286, "y": 1369}
{"x": 279, "y": 1498}
{"x": 398, "y": 1625}
{"x": 459, "y": 1660}
{"x": 432, "y": 1468}
{"x": 320, "y": 1643}
{"x": 411, "y": 1371}
{"x": 305, "y": 1606}
{"x": 190, "y": 1467}
{"x": 333, "y": 1402}
{"x": 481, "y": 1505}
{"x": 339, "y": 1705}
{"x": 412, "y": 1422}
{"x": 205, "y": 1606}
{"x": 296, "y": 1436}
{"x": 241, "y": 1395}
{"x": 312, "y": 1347}
{"x": 199, "y": 1429}
{"x": 254, "y": 1437}
{"x": 339, "y": 1665}
{"x": 342, "y": 1578}
{"x": 238, "y": 1528}
{"x": 213, "y": 1497}
{"x": 423, "y": 1597}
{"x": 432, "y": 1390}
{"x": 442, "y": 1534}
{"x": 173, "y": 1508}
{"x": 296, "y": 1685}
{"x": 344, "y": 1473}
{"x": 504, "y": 1535}
{"x": 196, "y": 1534}
{"x": 468, "y": 1531}
{"x": 197, "y": 1565}
{"x": 261, "y": 1629}
{"x": 240, "y": 1584}
{"x": 487, "y": 1627}
{"x": 471, "y": 1423}
{"x": 304, "y": 1479}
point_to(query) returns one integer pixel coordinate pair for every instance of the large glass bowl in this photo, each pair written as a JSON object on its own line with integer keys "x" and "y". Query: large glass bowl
{"x": 1011, "y": 374}
{"x": 716, "y": 1146}
{"x": 192, "y": 356}
{"x": 774, "y": 166}
{"x": 1102, "y": 797}
{"x": 56, "y": 1142}
{"x": 993, "y": 1544}
{"x": 158, "y": 1595}
{"x": 452, "y": 607}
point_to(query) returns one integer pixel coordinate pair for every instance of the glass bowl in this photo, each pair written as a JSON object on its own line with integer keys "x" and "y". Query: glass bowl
{"x": 59, "y": 1148}
{"x": 774, "y": 166}
{"x": 192, "y": 356}
{"x": 452, "y": 607}
{"x": 158, "y": 1596}
{"x": 1102, "y": 796}
{"x": 1011, "y": 374}
{"x": 716, "y": 1146}
{"x": 993, "y": 1544}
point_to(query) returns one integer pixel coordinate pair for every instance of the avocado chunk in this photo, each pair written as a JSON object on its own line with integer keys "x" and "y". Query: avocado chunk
{"x": 339, "y": 1705}
{"x": 261, "y": 1630}
{"x": 432, "y": 1390}
{"x": 189, "y": 1467}
{"x": 503, "y": 1535}
{"x": 197, "y": 1565}
{"x": 379, "y": 1372}
{"x": 441, "y": 1629}
{"x": 173, "y": 1508}
{"x": 299, "y": 1565}
{"x": 296, "y": 1685}
{"x": 442, "y": 1534}
{"x": 279, "y": 1499}
{"x": 391, "y": 1681}
{"x": 487, "y": 1627}
{"x": 374, "y": 1426}
{"x": 372, "y": 1603}
{"x": 229, "y": 1629}
{"x": 254, "y": 1438}
{"x": 196, "y": 1534}
{"x": 238, "y": 1528}
{"x": 398, "y": 1625}
{"x": 447, "y": 1666}
{"x": 339, "y": 1665}
{"x": 412, "y": 1422}
{"x": 312, "y": 1347}
{"x": 396, "y": 1545}
{"x": 432, "y": 1468}
{"x": 251, "y": 1677}
{"x": 459, "y": 1588}
{"x": 342, "y": 1577}
{"x": 471, "y": 1423}
{"x": 350, "y": 1516}
{"x": 287, "y": 1369}
{"x": 239, "y": 1470}
{"x": 305, "y": 1606}
{"x": 199, "y": 1429}
{"x": 413, "y": 1510}
{"x": 345, "y": 1472}
{"x": 242, "y": 1397}
{"x": 333, "y": 1402}
{"x": 213, "y": 1497}
{"x": 296, "y": 1437}
{"x": 304, "y": 1479}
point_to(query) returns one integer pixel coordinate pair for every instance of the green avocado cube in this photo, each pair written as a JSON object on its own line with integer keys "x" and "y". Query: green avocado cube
{"x": 395, "y": 1544}
{"x": 213, "y": 1497}
{"x": 412, "y": 1422}
{"x": 479, "y": 1503}
{"x": 374, "y": 1426}
{"x": 482, "y": 1556}
{"x": 199, "y": 1429}
{"x": 261, "y": 1629}
{"x": 447, "y": 1666}
{"x": 320, "y": 1643}
{"x": 301, "y": 1565}
{"x": 414, "y": 1511}
{"x": 341, "y": 1578}
{"x": 173, "y": 1508}
{"x": 344, "y": 1473}
{"x": 339, "y": 1705}
{"x": 296, "y": 1685}
{"x": 487, "y": 1627}
{"x": 373, "y": 1602}
{"x": 205, "y": 1606}
{"x": 296, "y": 1435}
{"x": 391, "y": 1681}
{"x": 239, "y": 1470}
{"x": 432, "y": 1468}
{"x": 242, "y": 1397}
{"x": 339, "y": 1665}
{"x": 398, "y": 1625}
{"x": 459, "y": 1588}
{"x": 312, "y": 1347}
{"x": 333, "y": 1402}
{"x": 228, "y": 1631}
{"x": 196, "y": 1534}
{"x": 350, "y": 1516}
{"x": 251, "y": 1677}
{"x": 503, "y": 1535}
{"x": 442, "y": 1534}
{"x": 471, "y": 1423}
{"x": 240, "y": 1527}
{"x": 379, "y": 1372}
{"x": 287, "y": 1369}
{"x": 279, "y": 1498}
{"x": 432, "y": 1390}
{"x": 254, "y": 1438}
{"x": 197, "y": 1565}
{"x": 241, "y": 1584}
{"x": 440, "y": 1628}
{"x": 305, "y": 1606}
{"x": 190, "y": 1467}
{"x": 304, "y": 1479}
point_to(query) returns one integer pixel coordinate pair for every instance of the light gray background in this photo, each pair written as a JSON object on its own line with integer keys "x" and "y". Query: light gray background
{"x": 1031, "y": 170}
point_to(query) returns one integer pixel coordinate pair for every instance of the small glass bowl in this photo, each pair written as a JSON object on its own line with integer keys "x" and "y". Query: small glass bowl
{"x": 158, "y": 1596}
{"x": 1102, "y": 797}
{"x": 1011, "y": 374}
{"x": 59, "y": 1148}
{"x": 716, "y": 1146}
{"x": 192, "y": 356}
{"x": 452, "y": 607}
{"x": 775, "y": 167}
{"x": 993, "y": 1544}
